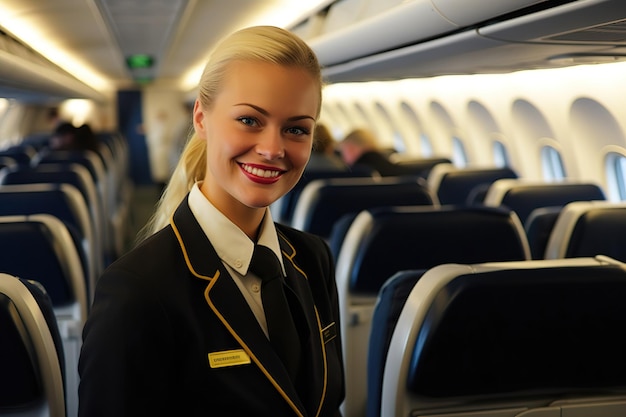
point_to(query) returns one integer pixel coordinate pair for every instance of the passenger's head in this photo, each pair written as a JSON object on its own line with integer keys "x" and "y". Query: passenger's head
{"x": 86, "y": 139}
{"x": 64, "y": 137}
{"x": 356, "y": 143}
{"x": 323, "y": 141}
{"x": 258, "y": 100}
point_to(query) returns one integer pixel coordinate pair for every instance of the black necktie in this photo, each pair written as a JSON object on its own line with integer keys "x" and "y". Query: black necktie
{"x": 280, "y": 324}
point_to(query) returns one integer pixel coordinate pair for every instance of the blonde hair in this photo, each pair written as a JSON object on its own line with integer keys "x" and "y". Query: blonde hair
{"x": 267, "y": 44}
{"x": 363, "y": 138}
{"x": 322, "y": 139}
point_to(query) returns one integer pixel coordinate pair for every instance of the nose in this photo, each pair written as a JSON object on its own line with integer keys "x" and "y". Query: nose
{"x": 270, "y": 144}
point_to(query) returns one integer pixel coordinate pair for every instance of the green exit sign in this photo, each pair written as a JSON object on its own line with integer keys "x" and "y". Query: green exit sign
{"x": 139, "y": 61}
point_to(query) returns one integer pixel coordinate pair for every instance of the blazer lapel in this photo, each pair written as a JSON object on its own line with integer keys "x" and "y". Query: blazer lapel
{"x": 224, "y": 298}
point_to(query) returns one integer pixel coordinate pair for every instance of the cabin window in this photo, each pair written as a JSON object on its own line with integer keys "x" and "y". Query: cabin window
{"x": 365, "y": 120}
{"x": 459, "y": 156}
{"x": 398, "y": 140}
{"x": 616, "y": 174}
{"x": 4, "y": 104}
{"x": 343, "y": 113}
{"x": 426, "y": 146}
{"x": 500, "y": 155}
{"x": 333, "y": 120}
{"x": 552, "y": 164}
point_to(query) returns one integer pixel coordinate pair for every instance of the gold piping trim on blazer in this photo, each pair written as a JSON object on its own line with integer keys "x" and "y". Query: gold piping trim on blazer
{"x": 212, "y": 281}
{"x": 292, "y": 255}
{"x": 317, "y": 318}
{"x": 186, "y": 256}
{"x": 247, "y": 349}
{"x": 319, "y": 326}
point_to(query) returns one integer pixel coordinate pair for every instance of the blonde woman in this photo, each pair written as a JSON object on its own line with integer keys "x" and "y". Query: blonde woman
{"x": 179, "y": 325}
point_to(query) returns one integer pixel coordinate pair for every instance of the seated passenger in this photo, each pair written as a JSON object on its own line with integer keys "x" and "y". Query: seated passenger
{"x": 64, "y": 137}
{"x": 67, "y": 137}
{"x": 359, "y": 148}
{"x": 86, "y": 139}
{"x": 323, "y": 156}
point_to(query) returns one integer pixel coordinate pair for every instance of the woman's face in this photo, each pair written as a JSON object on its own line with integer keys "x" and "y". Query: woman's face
{"x": 259, "y": 134}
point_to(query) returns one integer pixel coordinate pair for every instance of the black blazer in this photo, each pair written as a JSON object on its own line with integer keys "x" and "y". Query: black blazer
{"x": 170, "y": 334}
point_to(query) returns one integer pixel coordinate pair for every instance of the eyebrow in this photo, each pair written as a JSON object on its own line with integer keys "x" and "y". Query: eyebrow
{"x": 266, "y": 113}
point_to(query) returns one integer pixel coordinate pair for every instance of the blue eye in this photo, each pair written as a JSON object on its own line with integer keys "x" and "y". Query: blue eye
{"x": 248, "y": 121}
{"x": 297, "y": 131}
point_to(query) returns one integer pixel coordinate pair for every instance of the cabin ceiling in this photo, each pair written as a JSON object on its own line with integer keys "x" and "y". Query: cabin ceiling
{"x": 422, "y": 38}
{"x": 178, "y": 34}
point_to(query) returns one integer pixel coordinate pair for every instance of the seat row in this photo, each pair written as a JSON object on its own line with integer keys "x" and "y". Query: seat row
{"x": 61, "y": 217}
{"x": 325, "y": 204}
{"x": 377, "y": 227}
{"x": 382, "y": 241}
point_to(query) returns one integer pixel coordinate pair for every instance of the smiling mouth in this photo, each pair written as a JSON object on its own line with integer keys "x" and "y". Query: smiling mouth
{"x": 259, "y": 172}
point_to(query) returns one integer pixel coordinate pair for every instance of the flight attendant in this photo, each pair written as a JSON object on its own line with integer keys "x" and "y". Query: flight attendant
{"x": 183, "y": 325}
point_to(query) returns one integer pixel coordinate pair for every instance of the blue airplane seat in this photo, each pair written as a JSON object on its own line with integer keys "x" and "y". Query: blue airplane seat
{"x": 523, "y": 196}
{"x": 532, "y": 338}
{"x": 31, "y": 359}
{"x": 384, "y": 240}
{"x": 589, "y": 228}
{"x": 66, "y": 203}
{"x": 421, "y": 166}
{"x": 22, "y": 154}
{"x": 453, "y": 185}
{"x": 287, "y": 203}
{"x": 389, "y": 304}
{"x": 39, "y": 247}
{"x": 338, "y": 233}
{"x": 72, "y": 174}
{"x": 538, "y": 228}
{"x": 7, "y": 162}
{"x": 323, "y": 202}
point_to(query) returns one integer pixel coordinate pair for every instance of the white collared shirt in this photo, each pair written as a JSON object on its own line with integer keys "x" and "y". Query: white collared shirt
{"x": 235, "y": 248}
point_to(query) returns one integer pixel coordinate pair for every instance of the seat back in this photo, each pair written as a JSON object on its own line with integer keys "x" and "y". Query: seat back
{"x": 453, "y": 185}
{"x": 391, "y": 299}
{"x": 538, "y": 227}
{"x": 63, "y": 201}
{"x": 589, "y": 228}
{"x": 7, "y": 162}
{"x": 524, "y": 196}
{"x": 23, "y": 155}
{"x": 421, "y": 166}
{"x": 533, "y": 338}
{"x": 39, "y": 247}
{"x": 94, "y": 163}
{"x": 385, "y": 240}
{"x": 323, "y": 202}
{"x": 73, "y": 174}
{"x": 31, "y": 356}
{"x": 284, "y": 208}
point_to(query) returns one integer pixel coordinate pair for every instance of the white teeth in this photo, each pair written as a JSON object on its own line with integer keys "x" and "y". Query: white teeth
{"x": 261, "y": 172}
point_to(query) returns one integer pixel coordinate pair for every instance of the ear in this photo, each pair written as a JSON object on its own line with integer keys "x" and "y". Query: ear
{"x": 198, "y": 118}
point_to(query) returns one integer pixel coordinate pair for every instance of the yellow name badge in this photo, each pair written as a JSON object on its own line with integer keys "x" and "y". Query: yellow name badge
{"x": 228, "y": 358}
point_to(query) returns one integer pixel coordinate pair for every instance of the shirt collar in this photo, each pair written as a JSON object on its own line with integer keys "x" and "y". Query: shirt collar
{"x": 232, "y": 245}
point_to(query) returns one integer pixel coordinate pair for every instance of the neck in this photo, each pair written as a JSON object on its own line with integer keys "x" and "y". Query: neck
{"x": 248, "y": 219}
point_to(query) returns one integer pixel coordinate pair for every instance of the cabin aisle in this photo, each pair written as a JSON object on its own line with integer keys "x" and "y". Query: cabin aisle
{"x": 142, "y": 205}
